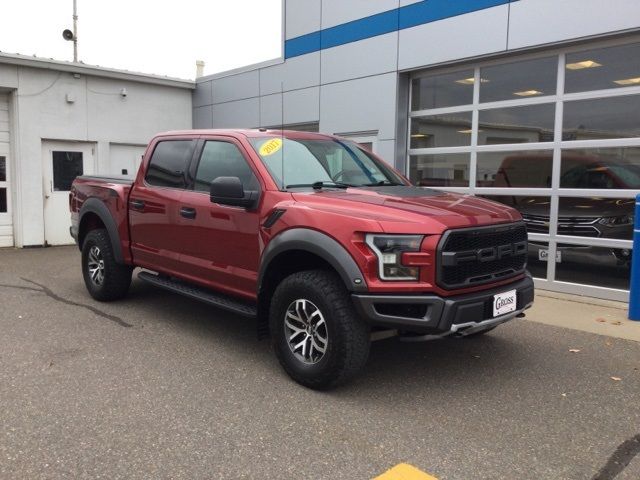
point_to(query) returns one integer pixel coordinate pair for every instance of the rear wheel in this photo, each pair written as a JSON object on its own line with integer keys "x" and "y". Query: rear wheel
{"x": 317, "y": 336}
{"x": 104, "y": 278}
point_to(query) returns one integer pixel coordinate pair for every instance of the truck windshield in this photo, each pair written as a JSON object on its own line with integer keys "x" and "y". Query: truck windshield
{"x": 321, "y": 163}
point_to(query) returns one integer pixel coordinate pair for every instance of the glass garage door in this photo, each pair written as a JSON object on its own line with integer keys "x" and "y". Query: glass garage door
{"x": 555, "y": 135}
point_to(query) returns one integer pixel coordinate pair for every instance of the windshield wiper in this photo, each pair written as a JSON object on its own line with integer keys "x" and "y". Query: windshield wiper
{"x": 321, "y": 184}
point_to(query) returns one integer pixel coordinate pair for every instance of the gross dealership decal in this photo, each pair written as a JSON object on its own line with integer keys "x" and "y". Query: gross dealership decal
{"x": 504, "y": 303}
{"x": 270, "y": 147}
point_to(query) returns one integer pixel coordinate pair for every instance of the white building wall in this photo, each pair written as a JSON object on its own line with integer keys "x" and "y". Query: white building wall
{"x": 55, "y": 105}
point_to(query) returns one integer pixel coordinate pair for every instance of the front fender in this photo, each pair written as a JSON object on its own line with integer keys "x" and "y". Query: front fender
{"x": 321, "y": 245}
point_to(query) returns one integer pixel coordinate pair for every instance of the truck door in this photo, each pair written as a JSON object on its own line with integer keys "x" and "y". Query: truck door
{"x": 154, "y": 210}
{"x": 220, "y": 243}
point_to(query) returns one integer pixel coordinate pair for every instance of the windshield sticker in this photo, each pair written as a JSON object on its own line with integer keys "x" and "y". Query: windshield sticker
{"x": 270, "y": 147}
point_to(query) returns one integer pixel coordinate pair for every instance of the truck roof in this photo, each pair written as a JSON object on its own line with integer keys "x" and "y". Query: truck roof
{"x": 250, "y": 133}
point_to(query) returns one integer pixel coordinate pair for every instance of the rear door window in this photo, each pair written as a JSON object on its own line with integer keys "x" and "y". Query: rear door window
{"x": 169, "y": 163}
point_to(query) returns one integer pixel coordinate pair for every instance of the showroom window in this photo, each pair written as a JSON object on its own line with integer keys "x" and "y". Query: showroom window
{"x": 556, "y": 136}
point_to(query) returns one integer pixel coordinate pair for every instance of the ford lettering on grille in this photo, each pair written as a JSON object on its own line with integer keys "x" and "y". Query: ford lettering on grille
{"x": 488, "y": 254}
{"x": 481, "y": 255}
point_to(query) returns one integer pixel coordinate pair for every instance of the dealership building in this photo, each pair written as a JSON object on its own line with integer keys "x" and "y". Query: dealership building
{"x": 533, "y": 103}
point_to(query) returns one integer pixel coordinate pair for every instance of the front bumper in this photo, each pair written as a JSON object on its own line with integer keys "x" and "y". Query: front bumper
{"x": 435, "y": 315}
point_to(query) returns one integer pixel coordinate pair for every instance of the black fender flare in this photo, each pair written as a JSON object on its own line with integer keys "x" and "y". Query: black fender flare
{"x": 319, "y": 244}
{"x": 95, "y": 206}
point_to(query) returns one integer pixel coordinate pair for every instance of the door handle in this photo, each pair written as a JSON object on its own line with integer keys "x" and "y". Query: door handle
{"x": 188, "y": 212}
{"x": 137, "y": 204}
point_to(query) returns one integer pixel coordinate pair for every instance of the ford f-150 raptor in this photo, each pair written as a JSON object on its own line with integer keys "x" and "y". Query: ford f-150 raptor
{"x": 313, "y": 235}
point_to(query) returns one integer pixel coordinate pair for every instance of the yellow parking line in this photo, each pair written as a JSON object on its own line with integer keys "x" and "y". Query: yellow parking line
{"x": 404, "y": 471}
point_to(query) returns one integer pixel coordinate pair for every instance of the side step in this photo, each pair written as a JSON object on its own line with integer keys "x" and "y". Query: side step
{"x": 216, "y": 299}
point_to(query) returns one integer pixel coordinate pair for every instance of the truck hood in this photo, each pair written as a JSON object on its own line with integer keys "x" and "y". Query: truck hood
{"x": 400, "y": 208}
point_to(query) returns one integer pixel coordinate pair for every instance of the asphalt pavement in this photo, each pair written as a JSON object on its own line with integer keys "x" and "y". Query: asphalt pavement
{"x": 160, "y": 386}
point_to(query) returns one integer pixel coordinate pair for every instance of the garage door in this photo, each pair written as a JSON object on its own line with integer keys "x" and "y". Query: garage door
{"x": 6, "y": 228}
{"x": 124, "y": 159}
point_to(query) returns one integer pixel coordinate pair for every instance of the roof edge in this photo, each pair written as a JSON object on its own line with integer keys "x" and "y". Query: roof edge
{"x": 94, "y": 70}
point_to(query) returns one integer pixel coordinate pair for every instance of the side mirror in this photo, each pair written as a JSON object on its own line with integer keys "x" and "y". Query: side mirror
{"x": 229, "y": 191}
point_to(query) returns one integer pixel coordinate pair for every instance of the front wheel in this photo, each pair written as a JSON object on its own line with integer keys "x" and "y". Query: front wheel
{"x": 317, "y": 336}
{"x": 104, "y": 278}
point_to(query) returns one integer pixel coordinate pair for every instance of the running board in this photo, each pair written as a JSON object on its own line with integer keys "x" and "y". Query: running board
{"x": 216, "y": 299}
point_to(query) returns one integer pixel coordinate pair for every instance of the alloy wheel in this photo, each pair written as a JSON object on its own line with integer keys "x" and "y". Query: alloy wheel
{"x": 306, "y": 331}
{"x": 95, "y": 264}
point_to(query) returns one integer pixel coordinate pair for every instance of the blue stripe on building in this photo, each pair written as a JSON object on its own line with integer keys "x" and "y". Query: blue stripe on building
{"x": 419, "y": 13}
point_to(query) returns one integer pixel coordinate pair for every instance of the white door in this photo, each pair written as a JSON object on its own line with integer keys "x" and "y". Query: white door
{"x": 62, "y": 162}
{"x": 6, "y": 229}
{"x": 125, "y": 159}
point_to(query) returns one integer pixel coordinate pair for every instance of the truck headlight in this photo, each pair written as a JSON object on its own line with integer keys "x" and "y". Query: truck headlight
{"x": 389, "y": 250}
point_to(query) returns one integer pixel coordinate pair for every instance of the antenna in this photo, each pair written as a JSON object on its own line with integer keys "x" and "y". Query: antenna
{"x": 282, "y": 130}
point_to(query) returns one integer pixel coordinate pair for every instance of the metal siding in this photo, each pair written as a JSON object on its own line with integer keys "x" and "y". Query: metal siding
{"x": 400, "y": 18}
{"x": 203, "y": 117}
{"x": 238, "y": 114}
{"x": 442, "y": 41}
{"x": 301, "y": 17}
{"x": 360, "y": 59}
{"x": 295, "y": 73}
{"x": 536, "y": 22}
{"x": 336, "y": 12}
{"x": 300, "y": 106}
{"x": 364, "y": 104}
{"x": 203, "y": 94}
{"x": 236, "y": 87}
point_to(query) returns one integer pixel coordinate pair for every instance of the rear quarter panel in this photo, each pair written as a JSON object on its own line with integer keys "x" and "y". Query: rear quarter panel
{"x": 113, "y": 195}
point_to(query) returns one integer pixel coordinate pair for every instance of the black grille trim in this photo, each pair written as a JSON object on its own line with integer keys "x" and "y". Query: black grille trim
{"x": 463, "y": 260}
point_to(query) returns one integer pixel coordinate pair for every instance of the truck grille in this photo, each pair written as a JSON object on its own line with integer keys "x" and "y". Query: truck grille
{"x": 474, "y": 256}
{"x": 581, "y": 226}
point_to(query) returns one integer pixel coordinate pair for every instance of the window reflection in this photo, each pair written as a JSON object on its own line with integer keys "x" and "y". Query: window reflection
{"x": 530, "y": 169}
{"x": 602, "y": 68}
{"x": 600, "y": 168}
{"x": 445, "y": 90}
{"x": 596, "y": 217}
{"x": 617, "y": 117}
{"x": 533, "y": 123}
{"x": 3, "y": 200}
{"x": 529, "y": 78}
{"x": 598, "y": 266}
{"x": 450, "y": 130}
{"x": 450, "y": 170}
{"x": 3, "y": 169}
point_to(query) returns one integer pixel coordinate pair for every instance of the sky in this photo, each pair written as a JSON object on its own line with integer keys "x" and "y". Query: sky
{"x": 163, "y": 38}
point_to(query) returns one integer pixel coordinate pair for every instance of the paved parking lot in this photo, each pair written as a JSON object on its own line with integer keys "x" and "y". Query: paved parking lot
{"x": 159, "y": 386}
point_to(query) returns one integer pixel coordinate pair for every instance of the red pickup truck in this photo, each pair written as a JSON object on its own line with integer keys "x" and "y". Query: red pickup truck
{"x": 316, "y": 237}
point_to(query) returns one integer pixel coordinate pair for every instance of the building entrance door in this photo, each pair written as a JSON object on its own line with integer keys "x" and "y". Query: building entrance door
{"x": 62, "y": 163}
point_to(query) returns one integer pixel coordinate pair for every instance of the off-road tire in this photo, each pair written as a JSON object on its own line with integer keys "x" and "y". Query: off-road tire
{"x": 348, "y": 335}
{"x": 116, "y": 278}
